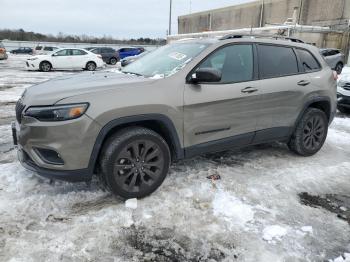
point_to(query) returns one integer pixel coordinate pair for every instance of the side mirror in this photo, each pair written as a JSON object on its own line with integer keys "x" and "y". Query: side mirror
{"x": 53, "y": 55}
{"x": 206, "y": 75}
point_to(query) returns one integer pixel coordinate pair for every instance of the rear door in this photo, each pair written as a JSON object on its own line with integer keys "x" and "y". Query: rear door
{"x": 79, "y": 58}
{"x": 282, "y": 89}
{"x": 223, "y": 113}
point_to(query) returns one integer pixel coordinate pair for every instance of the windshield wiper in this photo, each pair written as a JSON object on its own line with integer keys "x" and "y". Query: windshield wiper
{"x": 137, "y": 74}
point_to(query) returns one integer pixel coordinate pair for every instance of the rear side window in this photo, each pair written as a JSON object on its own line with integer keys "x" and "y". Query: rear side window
{"x": 308, "y": 61}
{"x": 38, "y": 48}
{"x": 78, "y": 52}
{"x": 47, "y": 48}
{"x": 276, "y": 61}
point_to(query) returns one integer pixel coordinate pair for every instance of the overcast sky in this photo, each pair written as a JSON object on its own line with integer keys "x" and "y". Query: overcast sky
{"x": 117, "y": 18}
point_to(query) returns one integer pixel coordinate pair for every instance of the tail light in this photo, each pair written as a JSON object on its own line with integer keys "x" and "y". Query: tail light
{"x": 335, "y": 75}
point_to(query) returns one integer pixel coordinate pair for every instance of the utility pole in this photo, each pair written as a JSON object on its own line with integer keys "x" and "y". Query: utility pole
{"x": 171, "y": 3}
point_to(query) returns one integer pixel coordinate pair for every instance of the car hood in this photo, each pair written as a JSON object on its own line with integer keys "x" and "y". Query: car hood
{"x": 38, "y": 56}
{"x": 54, "y": 90}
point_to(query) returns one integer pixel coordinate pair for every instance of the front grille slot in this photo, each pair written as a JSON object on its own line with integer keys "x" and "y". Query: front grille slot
{"x": 19, "y": 109}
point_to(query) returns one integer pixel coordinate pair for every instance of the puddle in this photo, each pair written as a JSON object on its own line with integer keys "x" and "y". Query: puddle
{"x": 337, "y": 204}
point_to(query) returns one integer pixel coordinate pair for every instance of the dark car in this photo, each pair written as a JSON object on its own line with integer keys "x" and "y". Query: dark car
{"x": 22, "y": 50}
{"x": 130, "y": 51}
{"x": 109, "y": 55}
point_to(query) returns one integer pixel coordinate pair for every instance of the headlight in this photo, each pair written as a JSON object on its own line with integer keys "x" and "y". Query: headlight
{"x": 31, "y": 59}
{"x": 57, "y": 113}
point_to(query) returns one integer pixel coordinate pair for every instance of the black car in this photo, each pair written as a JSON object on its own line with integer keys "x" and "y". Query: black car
{"x": 22, "y": 50}
{"x": 109, "y": 55}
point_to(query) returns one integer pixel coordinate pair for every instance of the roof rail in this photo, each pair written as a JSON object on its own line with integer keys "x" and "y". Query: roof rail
{"x": 276, "y": 37}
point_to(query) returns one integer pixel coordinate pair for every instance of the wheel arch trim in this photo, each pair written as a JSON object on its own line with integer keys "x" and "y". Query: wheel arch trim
{"x": 168, "y": 124}
{"x": 311, "y": 101}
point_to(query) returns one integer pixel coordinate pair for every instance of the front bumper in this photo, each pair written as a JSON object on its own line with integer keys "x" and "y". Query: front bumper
{"x": 66, "y": 175}
{"x": 343, "y": 100}
{"x": 72, "y": 140}
{"x": 31, "y": 65}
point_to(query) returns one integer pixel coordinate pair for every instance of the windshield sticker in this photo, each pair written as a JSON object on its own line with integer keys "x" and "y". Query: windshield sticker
{"x": 177, "y": 56}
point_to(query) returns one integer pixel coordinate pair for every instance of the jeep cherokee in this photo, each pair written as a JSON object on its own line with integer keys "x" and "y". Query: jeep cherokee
{"x": 184, "y": 99}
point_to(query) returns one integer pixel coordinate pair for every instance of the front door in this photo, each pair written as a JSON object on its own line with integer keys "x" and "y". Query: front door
{"x": 223, "y": 114}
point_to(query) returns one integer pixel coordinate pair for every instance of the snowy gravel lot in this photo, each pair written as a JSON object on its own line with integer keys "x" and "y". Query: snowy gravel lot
{"x": 269, "y": 205}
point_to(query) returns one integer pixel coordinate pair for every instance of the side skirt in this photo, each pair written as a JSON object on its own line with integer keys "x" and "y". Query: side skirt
{"x": 239, "y": 141}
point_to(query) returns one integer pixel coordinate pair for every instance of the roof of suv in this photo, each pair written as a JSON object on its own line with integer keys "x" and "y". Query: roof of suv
{"x": 268, "y": 39}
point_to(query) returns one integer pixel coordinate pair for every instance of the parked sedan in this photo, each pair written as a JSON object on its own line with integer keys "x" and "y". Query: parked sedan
{"x": 130, "y": 51}
{"x": 109, "y": 55}
{"x": 3, "y": 54}
{"x": 334, "y": 58}
{"x": 343, "y": 91}
{"x": 65, "y": 58}
{"x": 22, "y": 50}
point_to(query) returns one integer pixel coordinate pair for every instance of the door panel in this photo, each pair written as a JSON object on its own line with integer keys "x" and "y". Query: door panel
{"x": 214, "y": 111}
{"x": 282, "y": 88}
{"x": 280, "y": 101}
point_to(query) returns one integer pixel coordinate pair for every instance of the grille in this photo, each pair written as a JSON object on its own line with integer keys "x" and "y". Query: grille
{"x": 19, "y": 109}
{"x": 347, "y": 86}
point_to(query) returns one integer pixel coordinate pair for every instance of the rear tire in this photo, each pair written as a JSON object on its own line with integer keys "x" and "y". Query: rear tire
{"x": 90, "y": 66}
{"x": 45, "y": 66}
{"x": 310, "y": 133}
{"x": 134, "y": 162}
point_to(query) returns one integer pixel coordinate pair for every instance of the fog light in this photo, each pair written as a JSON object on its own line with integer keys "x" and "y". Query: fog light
{"x": 49, "y": 156}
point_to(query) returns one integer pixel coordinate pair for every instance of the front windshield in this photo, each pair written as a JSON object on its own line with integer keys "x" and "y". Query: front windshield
{"x": 166, "y": 60}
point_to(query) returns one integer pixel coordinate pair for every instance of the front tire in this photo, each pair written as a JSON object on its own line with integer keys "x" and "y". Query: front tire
{"x": 45, "y": 66}
{"x": 134, "y": 162}
{"x": 310, "y": 133}
{"x": 90, "y": 66}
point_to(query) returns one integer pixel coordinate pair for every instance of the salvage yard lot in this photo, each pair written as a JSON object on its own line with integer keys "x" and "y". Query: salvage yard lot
{"x": 268, "y": 205}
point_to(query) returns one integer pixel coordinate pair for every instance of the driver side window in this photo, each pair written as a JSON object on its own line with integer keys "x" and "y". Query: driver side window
{"x": 62, "y": 53}
{"x": 235, "y": 62}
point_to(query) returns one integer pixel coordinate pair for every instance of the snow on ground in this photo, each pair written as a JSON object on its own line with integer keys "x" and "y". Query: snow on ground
{"x": 253, "y": 213}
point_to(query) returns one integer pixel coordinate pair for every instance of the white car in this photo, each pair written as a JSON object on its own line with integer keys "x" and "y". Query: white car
{"x": 343, "y": 91}
{"x": 65, "y": 58}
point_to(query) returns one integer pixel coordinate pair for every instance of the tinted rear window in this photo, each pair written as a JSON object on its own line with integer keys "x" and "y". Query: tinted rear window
{"x": 308, "y": 61}
{"x": 275, "y": 61}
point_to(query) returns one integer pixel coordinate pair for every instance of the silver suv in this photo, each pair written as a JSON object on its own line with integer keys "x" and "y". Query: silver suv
{"x": 184, "y": 99}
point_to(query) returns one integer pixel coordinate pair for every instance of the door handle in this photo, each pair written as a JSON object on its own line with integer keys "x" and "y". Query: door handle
{"x": 303, "y": 83}
{"x": 249, "y": 90}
